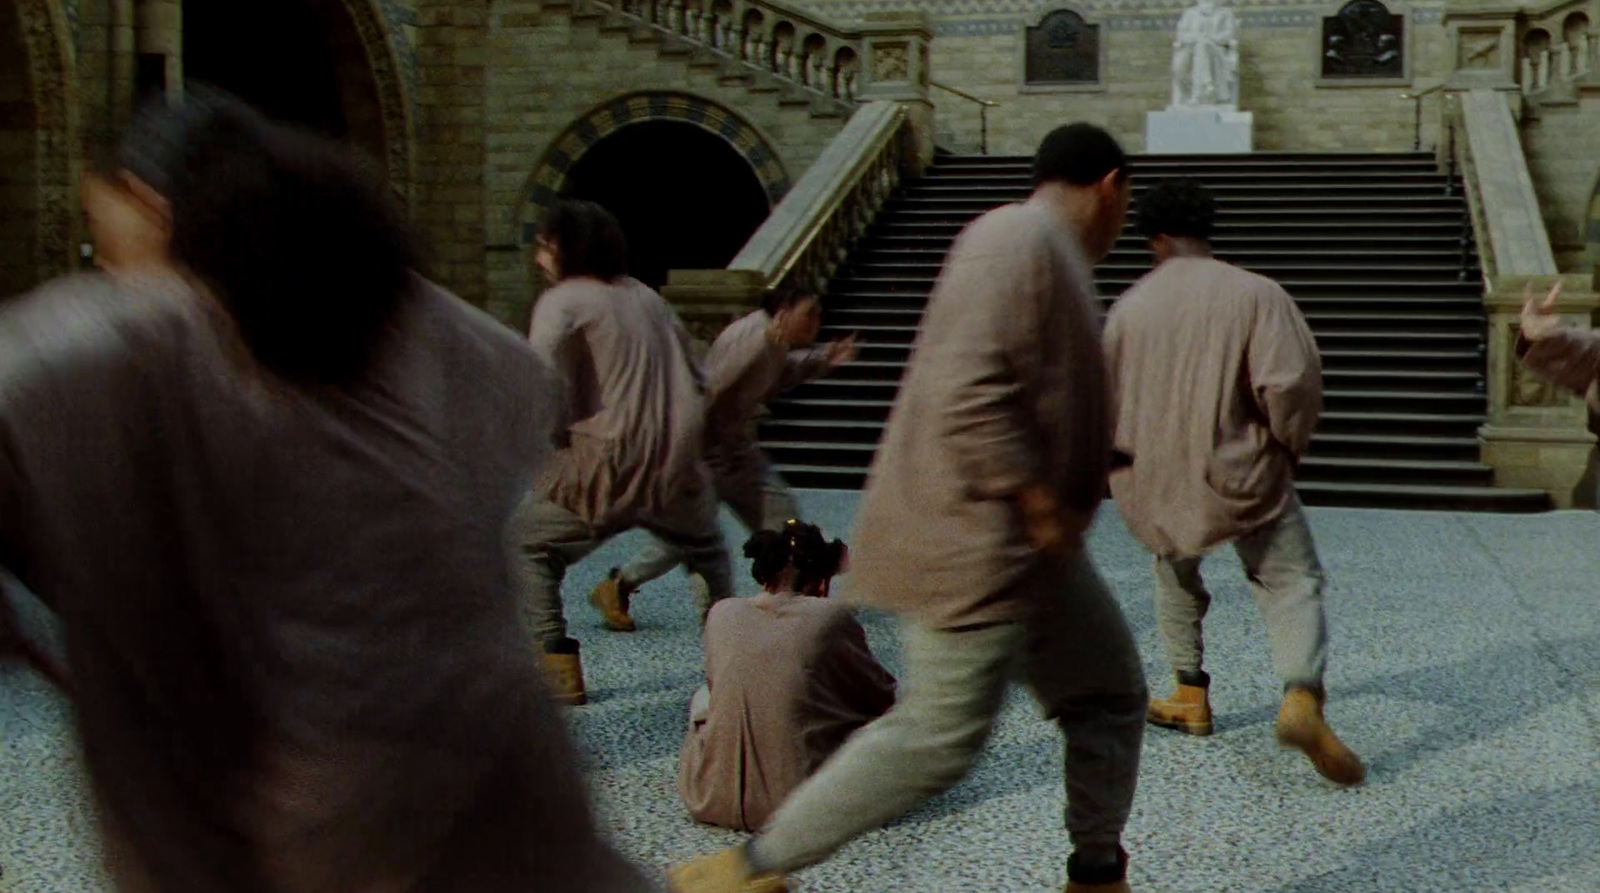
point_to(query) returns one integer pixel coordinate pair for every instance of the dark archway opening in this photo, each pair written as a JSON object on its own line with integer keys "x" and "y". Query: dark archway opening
{"x": 19, "y": 182}
{"x": 686, "y": 198}
{"x": 304, "y": 64}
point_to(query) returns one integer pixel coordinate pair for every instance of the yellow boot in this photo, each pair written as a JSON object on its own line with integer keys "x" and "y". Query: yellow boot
{"x": 1301, "y": 726}
{"x": 611, "y": 599}
{"x": 564, "y": 672}
{"x": 725, "y": 872}
{"x": 1188, "y": 710}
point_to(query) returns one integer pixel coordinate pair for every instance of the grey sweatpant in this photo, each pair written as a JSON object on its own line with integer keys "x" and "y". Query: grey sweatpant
{"x": 1079, "y": 658}
{"x": 766, "y": 506}
{"x": 553, "y": 539}
{"x": 1281, "y": 562}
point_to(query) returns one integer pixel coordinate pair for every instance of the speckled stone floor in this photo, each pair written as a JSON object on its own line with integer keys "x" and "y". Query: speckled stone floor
{"x": 1465, "y": 654}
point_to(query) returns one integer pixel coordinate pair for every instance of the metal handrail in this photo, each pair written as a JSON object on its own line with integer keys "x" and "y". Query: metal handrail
{"x": 1416, "y": 98}
{"x": 984, "y": 105}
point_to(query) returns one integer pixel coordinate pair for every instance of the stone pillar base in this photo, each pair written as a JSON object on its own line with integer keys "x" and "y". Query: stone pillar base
{"x": 1556, "y": 461}
{"x": 708, "y": 300}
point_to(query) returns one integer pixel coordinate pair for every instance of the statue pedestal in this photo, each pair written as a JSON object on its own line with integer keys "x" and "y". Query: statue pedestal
{"x": 1199, "y": 131}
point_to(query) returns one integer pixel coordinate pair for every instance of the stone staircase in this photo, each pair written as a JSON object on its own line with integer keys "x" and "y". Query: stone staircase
{"x": 1376, "y": 249}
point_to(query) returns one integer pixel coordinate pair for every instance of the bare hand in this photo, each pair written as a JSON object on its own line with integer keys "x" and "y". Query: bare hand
{"x": 1539, "y": 319}
{"x": 841, "y": 352}
{"x": 778, "y": 332}
{"x": 1048, "y": 526}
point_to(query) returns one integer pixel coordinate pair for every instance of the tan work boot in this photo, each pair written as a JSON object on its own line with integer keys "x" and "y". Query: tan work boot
{"x": 725, "y": 872}
{"x": 1188, "y": 710}
{"x": 1301, "y": 726}
{"x": 563, "y": 670}
{"x": 611, "y": 599}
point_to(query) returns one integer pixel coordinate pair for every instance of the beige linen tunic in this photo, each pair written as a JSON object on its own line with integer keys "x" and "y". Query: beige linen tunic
{"x": 1217, "y": 385}
{"x": 744, "y": 369}
{"x": 788, "y": 678}
{"x": 289, "y": 611}
{"x": 1006, "y": 386}
{"x": 634, "y": 397}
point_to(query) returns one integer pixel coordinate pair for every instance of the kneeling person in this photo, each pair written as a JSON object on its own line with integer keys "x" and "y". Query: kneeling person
{"x": 789, "y": 677}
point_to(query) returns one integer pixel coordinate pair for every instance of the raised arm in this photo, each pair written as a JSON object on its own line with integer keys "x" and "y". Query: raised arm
{"x": 1285, "y": 371}
{"x": 1565, "y": 356}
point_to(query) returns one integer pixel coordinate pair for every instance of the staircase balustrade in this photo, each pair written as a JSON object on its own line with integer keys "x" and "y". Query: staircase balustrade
{"x": 1535, "y": 436}
{"x": 1560, "y": 65}
{"x": 813, "y": 229}
{"x": 774, "y": 38}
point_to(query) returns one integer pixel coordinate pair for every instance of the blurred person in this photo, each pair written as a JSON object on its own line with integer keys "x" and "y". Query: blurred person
{"x": 1214, "y": 461}
{"x": 972, "y": 530}
{"x": 789, "y": 676}
{"x": 754, "y": 360}
{"x": 263, "y": 471}
{"x": 630, "y": 428}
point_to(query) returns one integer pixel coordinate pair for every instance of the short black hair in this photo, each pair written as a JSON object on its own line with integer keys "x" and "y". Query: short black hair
{"x": 799, "y": 545}
{"x": 787, "y": 294}
{"x": 1080, "y": 154}
{"x": 1176, "y": 208}
{"x": 310, "y": 255}
{"x": 588, "y": 238}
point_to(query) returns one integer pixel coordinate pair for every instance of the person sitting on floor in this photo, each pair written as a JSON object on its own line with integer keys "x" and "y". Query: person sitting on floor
{"x": 789, "y": 676}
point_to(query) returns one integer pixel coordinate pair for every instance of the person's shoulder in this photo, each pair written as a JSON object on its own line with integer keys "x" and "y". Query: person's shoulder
{"x": 92, "y": 314}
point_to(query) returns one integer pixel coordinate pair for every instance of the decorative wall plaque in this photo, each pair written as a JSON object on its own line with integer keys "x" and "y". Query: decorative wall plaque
{"x": 1364, "y": 40}
{"x": 891, "y": 62}
{"x": 1479, "y": 48}
{"x": 1063, "y": 49}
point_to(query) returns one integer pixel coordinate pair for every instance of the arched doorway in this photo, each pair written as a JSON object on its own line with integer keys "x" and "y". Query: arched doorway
{"x": 686, "y": 198}
{"x": 322, "y": 64}
{"x": 37, "y": 202}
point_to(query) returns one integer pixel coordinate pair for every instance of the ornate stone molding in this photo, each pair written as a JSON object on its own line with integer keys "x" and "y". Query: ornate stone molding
{"x": 550, "y": 175}
{"x": 47, "y": 35}
{"x": 378, "y": 36}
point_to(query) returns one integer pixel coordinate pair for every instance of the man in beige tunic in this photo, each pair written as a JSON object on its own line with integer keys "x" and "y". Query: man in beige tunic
{"x": 633, "y": 417}
{"x": 753, "y": 360}
{"x": 279, "y": 555}
{"x": 1218, "y": 385}
{"x": 971, "y": 529}
{"x": 789, "y": 676}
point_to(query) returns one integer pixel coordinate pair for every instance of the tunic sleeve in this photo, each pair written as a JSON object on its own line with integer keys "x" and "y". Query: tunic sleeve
{"x": 853, "y": 674}
{"x": 801, "y": 366}
{"x": 984, "y": 419}
{"x": 1285, "y": 371}
{"x": 1569, "y": 358}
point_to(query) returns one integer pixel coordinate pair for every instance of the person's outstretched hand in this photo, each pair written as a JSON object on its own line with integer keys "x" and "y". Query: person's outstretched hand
{"x": 1539, "y": 319}
{"x": 841, "y": 352}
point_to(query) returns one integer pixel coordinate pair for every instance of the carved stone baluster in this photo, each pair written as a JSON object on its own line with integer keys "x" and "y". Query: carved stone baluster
{"x": 794, "y": 65}
{"x": 1582, "y": 53}
{"x": 726, "y": 36}
{"x": 1564, "y": 62}
{"x": 708, "y": 28}
{"x": 817, "y": 77}
{"x": 691, "y": 25}
{"x": 847, "y": 91}
{"x": 1528, "y": 83}
{"x": 1544, "y": 69}
{"x": 676, "y": 19}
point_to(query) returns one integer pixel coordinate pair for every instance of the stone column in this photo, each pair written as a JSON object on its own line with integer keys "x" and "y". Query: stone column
{"x": 894, "y": 66}
{"x": 1537, "y": 435}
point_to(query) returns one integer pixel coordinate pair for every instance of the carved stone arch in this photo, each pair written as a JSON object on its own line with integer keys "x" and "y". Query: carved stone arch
{"x": 382, "y": 42}
{"x": 46, "y": 38}
{"x": 550, "y": 174}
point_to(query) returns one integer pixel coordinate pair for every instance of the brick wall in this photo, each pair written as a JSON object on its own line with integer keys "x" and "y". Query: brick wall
{"x": 547, "y": 70}
{"x": 978, "y": 47}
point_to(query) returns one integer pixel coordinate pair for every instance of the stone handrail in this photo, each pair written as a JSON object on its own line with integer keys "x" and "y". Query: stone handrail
{"x": 1535, "y": 436}
{"x": 769, "y": 36}
{"x": 812, "y": 230}
{"x": 1511, "y": 233}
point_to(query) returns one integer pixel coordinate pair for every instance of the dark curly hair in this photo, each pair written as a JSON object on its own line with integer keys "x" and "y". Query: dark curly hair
{"x": 305, "y": 249}
{"x": 799, "y": 545}
{"x": 588, "y": 238}
{"x": 1177, "y": 209}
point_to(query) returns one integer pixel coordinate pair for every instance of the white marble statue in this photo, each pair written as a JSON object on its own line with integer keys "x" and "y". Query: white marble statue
{"x": 1205, "y": 57}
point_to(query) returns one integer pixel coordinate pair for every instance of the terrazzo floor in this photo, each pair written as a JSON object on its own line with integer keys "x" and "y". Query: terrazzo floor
{"x": 1463, "y": 666}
